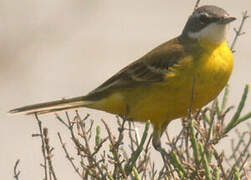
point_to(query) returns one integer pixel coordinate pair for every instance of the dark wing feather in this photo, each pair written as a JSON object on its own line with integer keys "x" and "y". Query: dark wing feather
{"x": 149, "y": 69}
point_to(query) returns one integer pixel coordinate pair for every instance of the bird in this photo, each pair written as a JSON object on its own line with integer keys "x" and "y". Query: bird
{"x": 186, "y": 72}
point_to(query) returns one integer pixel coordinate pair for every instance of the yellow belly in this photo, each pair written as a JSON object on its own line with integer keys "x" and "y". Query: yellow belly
{"x": 162, "y": 102}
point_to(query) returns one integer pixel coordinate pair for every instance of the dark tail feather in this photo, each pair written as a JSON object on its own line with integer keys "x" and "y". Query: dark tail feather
{"x": 52, "y": 106}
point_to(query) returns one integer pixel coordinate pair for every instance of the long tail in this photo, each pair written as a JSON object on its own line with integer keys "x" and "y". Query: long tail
{"x": 52, "y": 106}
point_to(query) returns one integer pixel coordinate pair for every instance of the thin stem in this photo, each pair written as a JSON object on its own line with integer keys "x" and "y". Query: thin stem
{"x": 68, "y": 156}
{"x": 16, "y": 172}
{"x": 42, "y": 147}
{"x": 196, "y": 4}
{"x": 238, "y": 32}
{"x": 49, "y": 151}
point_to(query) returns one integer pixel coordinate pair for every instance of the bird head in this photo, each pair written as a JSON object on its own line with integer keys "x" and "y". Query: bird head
{"x": 208, "y": 23}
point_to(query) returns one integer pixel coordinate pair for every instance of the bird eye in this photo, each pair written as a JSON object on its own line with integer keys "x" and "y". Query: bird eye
{"x": 204, "y": 18}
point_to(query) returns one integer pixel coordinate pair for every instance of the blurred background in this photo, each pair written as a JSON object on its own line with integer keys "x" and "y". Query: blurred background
{"x": 53, "y": 49}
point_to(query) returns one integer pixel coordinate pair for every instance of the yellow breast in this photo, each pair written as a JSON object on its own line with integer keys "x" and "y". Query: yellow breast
{"x": 164, "y": 102}
{"x": 212, "y": 73}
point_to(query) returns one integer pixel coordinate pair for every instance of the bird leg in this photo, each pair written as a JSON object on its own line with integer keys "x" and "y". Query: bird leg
{"x": 157, "y": 145}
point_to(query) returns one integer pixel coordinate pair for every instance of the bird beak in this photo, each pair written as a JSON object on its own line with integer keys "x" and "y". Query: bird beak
{"x": 226, "y": 20}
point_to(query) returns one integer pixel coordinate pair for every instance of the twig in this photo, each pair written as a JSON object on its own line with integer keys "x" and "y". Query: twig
{"x": 61, "y": 120}
{"x": 244, "y": 162}
{"x": 121, "y": 132}
{"x": 186, "y": 132}
{"x": 16, "y": 172}
{"x": 196, "y": 4}
{"x": 135, "y": 155}
{"x": 114, "y": 149}
{"x": 136, "y": 174}
{"x": 42, "y": 147}
{"x": 49, "y": 151}
{"x": 237, "y": 162}
{"x": 68, "y": 156}
{"x": 238, "y": 32}
{"x": 190, "y": 110}
{"x": 205, "y": 162}
{"x": 130, "y": 136}
{"x": 225, "y": 98}
{"x": 212, "y": 115}
{"x": 83, "y": 134}
{"x": 237, "y": 147}
{"x": 235, "y": 119}
{"x": 194, "y": 144}
{"x": 85, "y": 150}
{"x": 219, "y": 161}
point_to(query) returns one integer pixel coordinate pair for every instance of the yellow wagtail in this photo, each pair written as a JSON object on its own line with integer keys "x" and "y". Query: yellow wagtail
{"x": 159, "y": 86}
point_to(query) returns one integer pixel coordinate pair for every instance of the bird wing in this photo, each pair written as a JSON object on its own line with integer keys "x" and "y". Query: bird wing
{"x": 151, "y": 68}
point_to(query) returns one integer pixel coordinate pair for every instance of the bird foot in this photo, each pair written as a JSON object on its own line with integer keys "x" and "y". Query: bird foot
{"x": 157, "y": 146}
